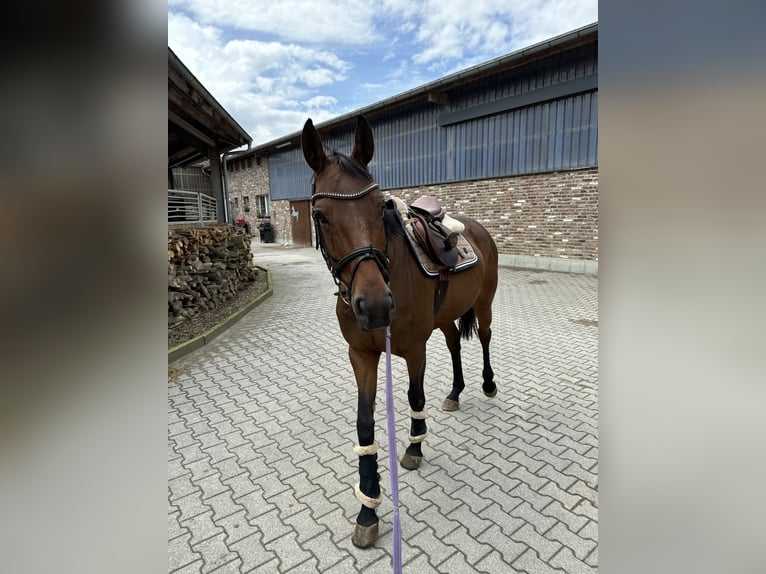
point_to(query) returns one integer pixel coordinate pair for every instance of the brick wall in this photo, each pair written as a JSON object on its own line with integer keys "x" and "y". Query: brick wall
{"x": 551, "y": 215}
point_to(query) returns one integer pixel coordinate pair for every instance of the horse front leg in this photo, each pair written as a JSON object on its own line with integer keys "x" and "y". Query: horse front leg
{"x": 365, "y": 365}
{"x": 452, "y": 337}
{"x": 416, "y": 368}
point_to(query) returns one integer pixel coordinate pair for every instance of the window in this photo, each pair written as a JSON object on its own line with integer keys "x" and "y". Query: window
{"x": 236, "y": 203}
{"x": 263, "y": 205}
{"x": 246, "y": 203}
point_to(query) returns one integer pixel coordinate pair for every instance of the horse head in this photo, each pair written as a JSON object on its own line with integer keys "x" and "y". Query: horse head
{"x": 347, "y": 208}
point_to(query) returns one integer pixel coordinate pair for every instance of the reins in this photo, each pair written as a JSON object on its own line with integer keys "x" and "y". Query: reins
{"x": 393, "y": 459}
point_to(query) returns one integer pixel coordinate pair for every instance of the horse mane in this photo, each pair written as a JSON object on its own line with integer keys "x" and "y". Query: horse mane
{"x": 350, "y": 165}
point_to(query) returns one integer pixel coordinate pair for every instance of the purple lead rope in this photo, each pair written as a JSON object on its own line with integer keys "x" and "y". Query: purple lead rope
{"x": 393, "y": 458}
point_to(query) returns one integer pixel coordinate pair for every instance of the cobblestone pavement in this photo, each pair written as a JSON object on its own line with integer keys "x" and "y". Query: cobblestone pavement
{"x": 262, "y": 424}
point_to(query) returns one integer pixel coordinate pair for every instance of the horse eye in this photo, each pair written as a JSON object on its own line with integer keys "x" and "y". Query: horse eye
{"x": 320, "y": 217}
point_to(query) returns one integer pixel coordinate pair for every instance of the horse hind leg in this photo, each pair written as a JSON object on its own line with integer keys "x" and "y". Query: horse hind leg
{"x": 484, "y": 316}
{"x": 452, "y": 337}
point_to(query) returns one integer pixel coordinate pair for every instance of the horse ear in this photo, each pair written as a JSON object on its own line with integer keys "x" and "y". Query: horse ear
{"x": 311, "y": 143}
{"x": 363, "y": 144}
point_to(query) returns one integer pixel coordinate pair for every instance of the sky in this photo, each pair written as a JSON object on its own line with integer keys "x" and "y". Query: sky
{"x": 274, "y": 63}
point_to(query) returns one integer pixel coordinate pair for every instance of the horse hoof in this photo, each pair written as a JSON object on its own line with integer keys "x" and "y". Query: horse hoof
{"x": 411, "y": 462}
{"x": 450, "y": 405}
{"x": 365, "y": 536}
{"x": 492, "y": 393}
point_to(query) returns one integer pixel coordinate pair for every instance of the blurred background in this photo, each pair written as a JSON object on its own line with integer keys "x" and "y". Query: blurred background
{"x": 83, "y": 290}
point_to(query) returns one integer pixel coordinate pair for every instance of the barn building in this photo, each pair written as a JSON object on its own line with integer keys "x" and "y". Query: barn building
{"x": 512, "y": 142}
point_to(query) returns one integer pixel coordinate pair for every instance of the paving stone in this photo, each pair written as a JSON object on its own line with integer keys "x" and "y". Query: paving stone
{"x": 581, "y": 547}
{"x": 232, "y": 567}
{"x": 590, "y": 531}
{"x": 572, "y": 521}
{"x": 420, "y": 564}
{"x": 432, "y": 545}
{"x": 201, "y": 527}
{"x": 552, "y": 490}
{"x": 465, "y": 516}
{"x": 288, "y": 551}
{"x": 589, "y": 493}
{"x": 181, "y": 486}
{"x": 345, "y": 566}
{"x": 310, "y": 566}
{"x": 592, "y": 559}
{"x": 254, "y": 462}
{"x": 585, "y": 508}
{"x": 180, "y": 553}
{"x": 223, "y": 505}
{"x": 562, "y": 480}
{"x": 236, "y": 526}
{"x": 540, "y": 522}
{"x": 544, "y": 547}
{"x": 240, "y": 485}
{"x": 473, "y": 549}
{"x": 190, "y": 505}
{"x": 192, "y": 568}
{"x": 456, "y": 564}
{"x": 255, "y": 504}
{"x": 567, "y": 561}
{"x": 531, "y": 564}
{"x": 538, "y": 500}
{"x": 509, "y": 550}
{"x": 253, "y": 554}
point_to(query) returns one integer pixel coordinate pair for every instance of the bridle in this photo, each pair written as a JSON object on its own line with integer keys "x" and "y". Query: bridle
{"x": 360, "y": 254}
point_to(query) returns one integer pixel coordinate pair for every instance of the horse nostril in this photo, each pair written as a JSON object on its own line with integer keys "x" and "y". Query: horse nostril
{"x": 359, "y": 305}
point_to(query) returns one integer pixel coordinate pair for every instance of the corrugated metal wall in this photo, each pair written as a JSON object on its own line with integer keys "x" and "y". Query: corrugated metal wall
{"x": 411, "y": 149}
{"x": 191, "y": 179}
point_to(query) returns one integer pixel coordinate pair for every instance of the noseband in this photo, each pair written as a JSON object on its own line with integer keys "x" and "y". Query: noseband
{"x": 360, "y": 254}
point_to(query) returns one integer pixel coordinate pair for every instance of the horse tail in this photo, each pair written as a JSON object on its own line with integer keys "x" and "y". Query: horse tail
{"x": 467, "y": 324}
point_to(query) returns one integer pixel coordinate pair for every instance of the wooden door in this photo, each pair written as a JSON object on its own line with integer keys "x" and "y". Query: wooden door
{"x": 300, "y": 217}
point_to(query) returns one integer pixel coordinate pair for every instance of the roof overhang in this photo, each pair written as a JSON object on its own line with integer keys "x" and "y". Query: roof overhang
{"x": 198, "y": 126}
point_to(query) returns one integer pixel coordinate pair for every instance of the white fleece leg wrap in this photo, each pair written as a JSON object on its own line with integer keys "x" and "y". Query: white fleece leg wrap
{"x": 364, "y": 450}
{"x": 419, "y": 438}
{"x": 418, "y": 414}
{"x": 364, "y": 499}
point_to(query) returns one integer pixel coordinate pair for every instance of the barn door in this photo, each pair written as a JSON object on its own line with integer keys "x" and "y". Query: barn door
{"x": 300, "y": 217}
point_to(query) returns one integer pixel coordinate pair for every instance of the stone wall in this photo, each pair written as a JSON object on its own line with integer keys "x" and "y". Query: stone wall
{"x": 246, "y": 178}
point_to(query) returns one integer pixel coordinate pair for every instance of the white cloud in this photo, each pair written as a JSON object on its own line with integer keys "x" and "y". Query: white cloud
{"x": 449, "y": 33}
{"x": 269, "y": 63}
{"x": 255, "y": 81}
{"x": 338, "y": 22}
{"x": 320, "y": 102}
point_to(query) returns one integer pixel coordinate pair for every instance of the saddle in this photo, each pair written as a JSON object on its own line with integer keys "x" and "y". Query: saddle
{"x": 437, "y": 236}
{"x": 432, "y": 233}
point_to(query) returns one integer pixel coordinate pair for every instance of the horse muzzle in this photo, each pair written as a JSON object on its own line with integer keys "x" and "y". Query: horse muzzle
{"x": 374, "y": 312}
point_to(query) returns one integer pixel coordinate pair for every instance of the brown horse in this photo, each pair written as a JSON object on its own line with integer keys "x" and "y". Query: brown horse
{"x": 380, "y": 284}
